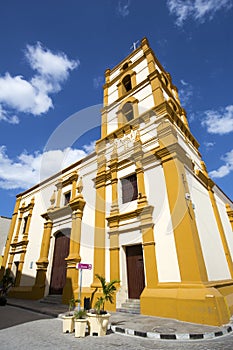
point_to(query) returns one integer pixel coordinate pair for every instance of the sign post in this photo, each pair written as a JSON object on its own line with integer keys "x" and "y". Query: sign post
{"x": 81, "y": 267}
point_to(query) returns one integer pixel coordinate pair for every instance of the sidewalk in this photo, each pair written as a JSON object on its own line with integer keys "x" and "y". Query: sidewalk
{"x": 136, "y": 325}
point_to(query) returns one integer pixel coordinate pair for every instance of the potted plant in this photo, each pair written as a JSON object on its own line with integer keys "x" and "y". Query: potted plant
{"x": 5, "y": 284}
{"x": 98, "y": 318}
{"x": 80, "y": 323}
{"x": 68, "y": 318}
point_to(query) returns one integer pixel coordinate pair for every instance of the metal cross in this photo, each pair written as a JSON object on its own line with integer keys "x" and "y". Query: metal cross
{"x": 135, "y": 44}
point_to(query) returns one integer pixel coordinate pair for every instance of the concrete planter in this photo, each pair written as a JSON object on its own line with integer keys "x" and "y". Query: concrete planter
{"x": 80, "y": 327}
{"x": 68, "y": 324}
{"x": 98, "y": 324}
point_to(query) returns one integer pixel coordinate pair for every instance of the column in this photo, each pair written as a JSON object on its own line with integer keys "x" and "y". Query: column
{"x": 21, "y": 210}
{"x": 218, "y": 220}
{"x": 104, "y": 110}
{"x": 147, "y": 226}
{"x": 59, "y": 191}
{"x": 142, "y": 199}
{"x": 147, "y": 229}
{"x": 24, "y": 243}
{"x": 154, "y": 78}
{"x": 99, "y": 240}
{"x": 15, "y": 240}
{"x": 188, "y": 246}
{"x": 230, "y": 214}
{"x": 42, "y": 263}
{"x": 9, "y": 237}
{"x": 114, "y": 224}
{"x": 73, "y": 179}
{"x": 77, "y": 205}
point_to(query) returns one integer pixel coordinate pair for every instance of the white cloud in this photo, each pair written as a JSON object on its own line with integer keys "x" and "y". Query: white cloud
{"x": 29, "y": 169}
{"x": 226, "y": 168}
{"x": 123, "y": 8}
{"x": 97, "y": 82}
{"x": 90, "y": 147}
{"x": 185, "y": 93}
{"x": 32, "y": 96}
{"x": 49, "y": 65}
{"x": 219, "y": 122}
{"x": 196, "y": 9}
{"x": 209, "y": 145}
{"x": 20, "y": 95}
{"x": 12, "y": 119}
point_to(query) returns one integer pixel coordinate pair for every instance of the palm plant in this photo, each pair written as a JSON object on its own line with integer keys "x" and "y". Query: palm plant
{"x": 5, "y": 284}
{"x": 72, "y": 304}
{"x": 80, "y": 314}
{"x": 109, "y": 290}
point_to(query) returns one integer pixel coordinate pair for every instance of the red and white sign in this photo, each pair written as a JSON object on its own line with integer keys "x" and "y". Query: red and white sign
{"x": 82, "y": 266}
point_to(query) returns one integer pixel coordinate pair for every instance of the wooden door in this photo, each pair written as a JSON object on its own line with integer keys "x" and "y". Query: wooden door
{"x": 135, "y": 271}
{"x": 61, "y": 251}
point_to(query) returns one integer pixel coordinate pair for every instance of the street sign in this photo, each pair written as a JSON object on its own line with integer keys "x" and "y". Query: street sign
{"x": 82, "y": 266}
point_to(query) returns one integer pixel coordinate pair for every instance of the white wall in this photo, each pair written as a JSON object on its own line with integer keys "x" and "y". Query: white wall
{"x": 212, "y": 248}
{"x": 166, "y": 256}
{"x": 221, "y": 204}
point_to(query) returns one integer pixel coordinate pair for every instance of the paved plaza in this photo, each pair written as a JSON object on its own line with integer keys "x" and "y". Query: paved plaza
{"x": 25, "y": 329}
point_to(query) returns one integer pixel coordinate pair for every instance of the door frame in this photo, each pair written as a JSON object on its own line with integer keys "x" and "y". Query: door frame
{"x": 129, "y": 288}
{"x": 64, "y": 232}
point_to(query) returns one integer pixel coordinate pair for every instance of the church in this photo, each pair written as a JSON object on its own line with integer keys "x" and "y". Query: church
{"x": 141, "y": 209}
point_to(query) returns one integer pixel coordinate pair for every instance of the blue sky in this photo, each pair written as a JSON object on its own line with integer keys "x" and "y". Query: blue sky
{"x": 53, "y": 56}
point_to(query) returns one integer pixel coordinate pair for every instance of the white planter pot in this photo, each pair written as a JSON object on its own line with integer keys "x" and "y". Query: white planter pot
{"x": 80, "y": 327}
{"x": 98, "y": 324}
{"x": 68, "y": 324}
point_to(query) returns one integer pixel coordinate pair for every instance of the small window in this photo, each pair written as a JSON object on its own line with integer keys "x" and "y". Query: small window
{"x": 67, "y": 198}
{"x": 25, "y": 224}
{"x": 16, "y": 267}
{"x": 127, "y": 111}
{"x": 127, "y": 83}
{"x": 129, "y": 188}
{"x": 125, "y": 66}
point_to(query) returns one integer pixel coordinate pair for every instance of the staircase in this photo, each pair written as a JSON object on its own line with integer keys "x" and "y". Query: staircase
{"x": 54, "y": 299}
{"x": 131, "y": 306}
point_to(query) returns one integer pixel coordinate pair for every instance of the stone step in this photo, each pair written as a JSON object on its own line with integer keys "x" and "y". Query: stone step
{"x": 131, "y": 306}
{"x": 129, "y": 311}
{"x": 52, "y": 299}
{"x": 135, "y": 302}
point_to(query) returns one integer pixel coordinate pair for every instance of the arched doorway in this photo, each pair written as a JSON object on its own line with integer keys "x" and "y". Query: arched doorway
{"x": 61, "y": 251}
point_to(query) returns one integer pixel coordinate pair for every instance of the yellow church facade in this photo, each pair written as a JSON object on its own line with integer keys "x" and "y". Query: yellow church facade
{"x": 141, "y": 209}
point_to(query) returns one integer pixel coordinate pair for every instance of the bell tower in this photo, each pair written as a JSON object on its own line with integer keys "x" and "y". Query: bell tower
{"x": 136, "y": 85}
{"x": 146, "y": 143}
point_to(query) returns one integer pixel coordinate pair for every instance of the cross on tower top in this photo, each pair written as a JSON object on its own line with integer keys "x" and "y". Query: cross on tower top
{"x": 134, "y": 45}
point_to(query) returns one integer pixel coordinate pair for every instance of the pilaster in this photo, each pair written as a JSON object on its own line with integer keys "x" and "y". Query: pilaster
{"x": 114, "y": 227}
{"x": 24, "y": 242}
{"x": 186, "y": 236}
{"x": 9, "y": 237}
{"x": 210, "y": 184}
{"x": 99, "y": 239}
{"x": 77, "y": 205}
{"x": 59, "y": 192}
{"x": 230, "y": 214}
{"x": 42, "y": 264}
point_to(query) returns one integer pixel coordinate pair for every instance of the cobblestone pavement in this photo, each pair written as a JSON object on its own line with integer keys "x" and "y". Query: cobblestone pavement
{"x": 30, "y": 330}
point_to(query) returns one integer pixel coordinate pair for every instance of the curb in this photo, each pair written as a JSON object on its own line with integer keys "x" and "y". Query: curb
{"x": 226, "y": 329}
{"x": 39, "y": 311}
{"x": 173, "y": 336}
